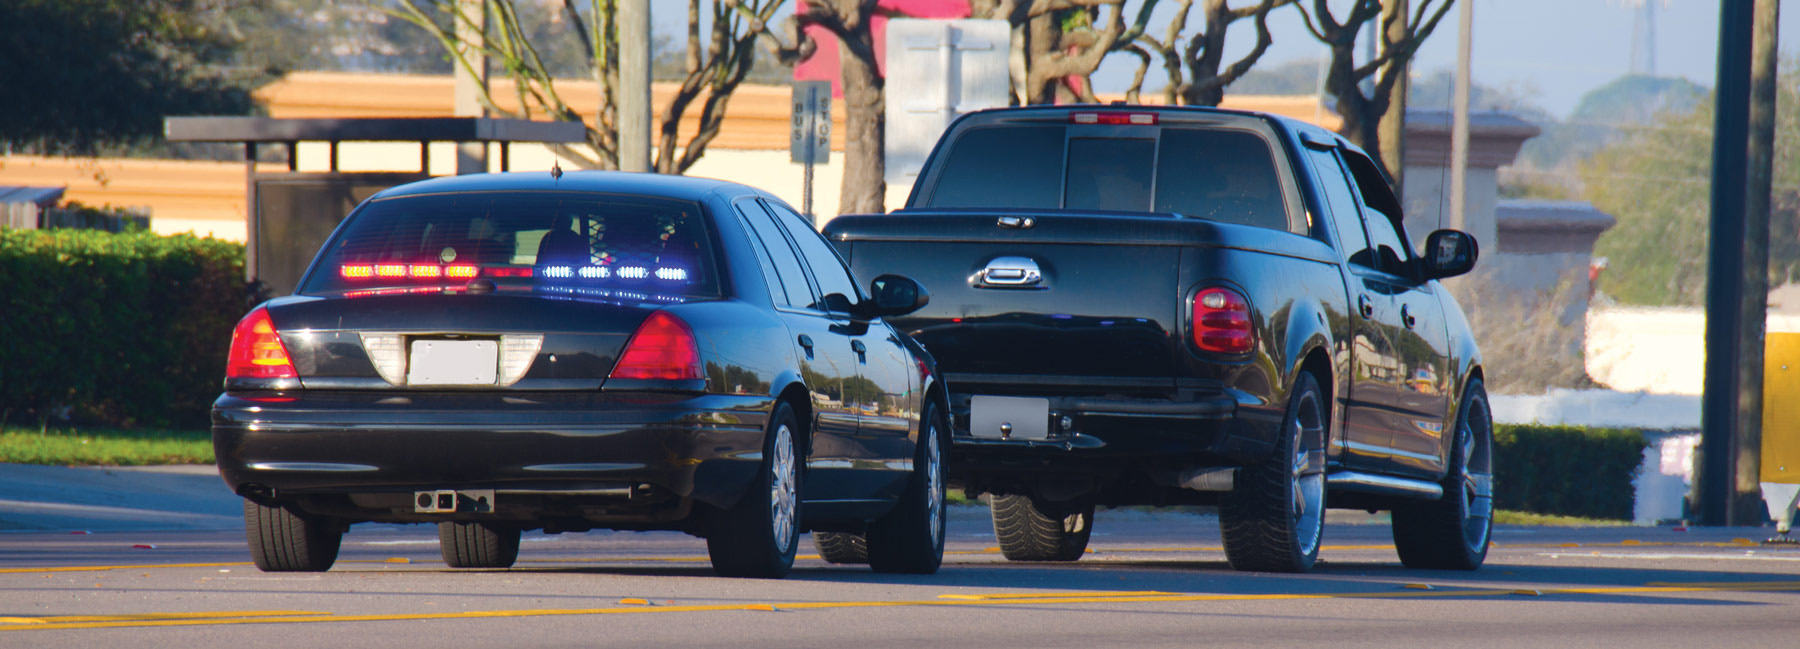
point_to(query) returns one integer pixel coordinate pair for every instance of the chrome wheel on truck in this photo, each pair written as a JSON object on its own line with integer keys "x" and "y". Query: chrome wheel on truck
{"x": 1451, "y": 533}
{"x": 1274, "y": 517}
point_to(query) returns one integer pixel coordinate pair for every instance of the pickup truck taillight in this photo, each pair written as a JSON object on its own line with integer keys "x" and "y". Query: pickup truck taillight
{"x": 1222, "y": 322}
{"x": 662, "y": 348}
{"x": 256, "y": 350}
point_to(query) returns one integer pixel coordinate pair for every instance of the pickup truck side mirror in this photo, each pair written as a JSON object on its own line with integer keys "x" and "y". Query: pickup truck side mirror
{"x": 894, "y": 295}
{"x": 1449, "y": 253}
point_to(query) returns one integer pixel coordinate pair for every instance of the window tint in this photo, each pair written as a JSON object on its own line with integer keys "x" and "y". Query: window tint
{"x": 1109, "y": 174}
{"x": 1382, "y": 217}
{"x": 787, "y": 265}
{"x": 827, "y": 268}
{"x": 1010, "y": 166}
{"x": 773, "y": 278}
{"x": 1224, "y": 176}
{"x": 1342, "y": 205}
{"x": 532, "y": 240}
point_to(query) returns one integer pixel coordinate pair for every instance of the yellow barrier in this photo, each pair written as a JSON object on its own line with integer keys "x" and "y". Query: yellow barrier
{"x": 1781, "y": 409}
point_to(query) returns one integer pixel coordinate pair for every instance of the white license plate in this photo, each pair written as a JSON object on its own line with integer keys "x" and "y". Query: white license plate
{"x": 1009, "y": 417}
{"x": 453, "y": 362}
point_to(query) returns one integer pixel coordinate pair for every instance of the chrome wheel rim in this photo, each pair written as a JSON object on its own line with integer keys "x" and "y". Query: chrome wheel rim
{"x": 1476, "y": 464}
{"x": 1309, "y": 474}
{"x": 783, "y": 489}
{"x": 934, "y": 483}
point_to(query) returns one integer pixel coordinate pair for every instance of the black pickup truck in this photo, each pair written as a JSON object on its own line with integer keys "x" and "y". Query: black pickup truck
{"x": 1140, "y": 305}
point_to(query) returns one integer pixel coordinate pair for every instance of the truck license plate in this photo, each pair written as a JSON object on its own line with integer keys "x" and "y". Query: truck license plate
{"x": 1009, "y": 417}
{"x": 453, "y": 362}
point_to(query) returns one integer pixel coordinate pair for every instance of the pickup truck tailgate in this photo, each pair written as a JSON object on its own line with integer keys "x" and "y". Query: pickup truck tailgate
{"x": 1012, "y": 302}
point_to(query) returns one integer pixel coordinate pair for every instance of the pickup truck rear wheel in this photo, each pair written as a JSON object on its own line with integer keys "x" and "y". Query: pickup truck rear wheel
{"x": 1451, "y": 533}
{"x": 842, "y": 547}
{"x": 284, "y": 540}
{"x": 478, "y": 545}
{"x": 1274, "y": 517}
{"x": 1033, "y": 530}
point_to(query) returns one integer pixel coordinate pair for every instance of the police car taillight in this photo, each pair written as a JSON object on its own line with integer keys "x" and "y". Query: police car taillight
{"x": 256, "y": 350}
{"x": 663, "y": 348}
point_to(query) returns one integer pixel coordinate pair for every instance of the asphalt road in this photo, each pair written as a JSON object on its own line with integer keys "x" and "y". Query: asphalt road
{"x": 157, "y": 578}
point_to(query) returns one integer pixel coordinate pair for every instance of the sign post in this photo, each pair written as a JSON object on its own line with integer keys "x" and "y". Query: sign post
{"x": 809, "y": 138}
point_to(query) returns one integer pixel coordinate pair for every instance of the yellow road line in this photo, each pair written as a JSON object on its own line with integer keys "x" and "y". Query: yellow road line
{"x": 142, "y": 617}
{"x": 987, "y": 596}
{"x": 144, "y": 566}
{"x": 1074, "y": 598}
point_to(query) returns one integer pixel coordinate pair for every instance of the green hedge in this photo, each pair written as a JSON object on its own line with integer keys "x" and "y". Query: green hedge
{"x": 128, "y": 329}
{"x": 1567, "y": 470}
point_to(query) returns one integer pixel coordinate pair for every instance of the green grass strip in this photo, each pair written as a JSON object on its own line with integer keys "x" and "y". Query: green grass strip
{"x": 104, "y": 446}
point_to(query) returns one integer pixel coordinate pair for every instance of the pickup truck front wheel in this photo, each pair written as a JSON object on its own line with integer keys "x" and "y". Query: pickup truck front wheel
{"x": 1032, "y": 530}
{"x": 1451, "y": 533}
{"x": 1274, "y": 517}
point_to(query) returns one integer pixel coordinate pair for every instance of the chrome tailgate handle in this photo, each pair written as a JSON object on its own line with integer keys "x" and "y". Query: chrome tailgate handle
{"x": 1009, "y": 272}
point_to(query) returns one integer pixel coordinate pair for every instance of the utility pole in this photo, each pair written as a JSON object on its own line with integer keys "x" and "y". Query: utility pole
{"x": 634, "y": 85}
{"x": 1747, "y": 501}
{"x": 1459, "y": 121}
{"x": 1720, "y": 414}
{"x": 471, "y": 157}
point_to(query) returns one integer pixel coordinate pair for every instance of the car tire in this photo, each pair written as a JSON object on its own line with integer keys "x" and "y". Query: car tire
{"x": 910, "y": 539}
{"x": 478, "y": 545}
{"x": 284, "y": 540}
{"x": 1033, "y": 530}
{"x": 1274, "y": 517}
{"x": 757, "y": 536}
{"x": 1452, "y": 532}
{"x": 842, "y": 547}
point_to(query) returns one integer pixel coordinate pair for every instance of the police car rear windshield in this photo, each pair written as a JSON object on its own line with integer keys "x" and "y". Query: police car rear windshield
{"x": 570, "y": 243}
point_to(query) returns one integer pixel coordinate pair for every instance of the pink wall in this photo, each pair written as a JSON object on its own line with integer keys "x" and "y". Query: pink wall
{"x": 823, "y": 66}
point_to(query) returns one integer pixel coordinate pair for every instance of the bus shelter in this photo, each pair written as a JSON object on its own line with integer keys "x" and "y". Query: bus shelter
{"x": 289, "y": 214}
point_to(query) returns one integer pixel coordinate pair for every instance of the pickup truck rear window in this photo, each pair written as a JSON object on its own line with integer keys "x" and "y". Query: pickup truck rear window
{"x": 1013, "y": 166}
{"x": 1215, "y": 174}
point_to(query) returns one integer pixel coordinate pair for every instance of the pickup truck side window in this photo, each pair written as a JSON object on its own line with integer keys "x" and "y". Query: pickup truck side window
{"x": 1342, "y": 205}
{"x": 1217, "y": 175}
{"x": 793, "y": 277}
{"x": 1006, "y": 167}
{"x": 1382, "y": 217}
{"x": 1109, "y": 174}
{"x": 834, "y": 280}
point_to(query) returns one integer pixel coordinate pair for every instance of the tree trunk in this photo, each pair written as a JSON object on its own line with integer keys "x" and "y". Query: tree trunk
{"x": 1747, "y": 501}
{"x": 1392, "y": 129}
{"x": 865, "y": 186}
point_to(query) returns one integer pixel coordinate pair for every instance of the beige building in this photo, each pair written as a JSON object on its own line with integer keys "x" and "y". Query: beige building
{"x": 207, "y": 198}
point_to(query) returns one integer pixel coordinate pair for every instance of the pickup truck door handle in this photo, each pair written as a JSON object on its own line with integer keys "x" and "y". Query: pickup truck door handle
{"x": 1406, "y": 317}
{"x": 1010, "y": 272}
{"x": 1364, "y": 306}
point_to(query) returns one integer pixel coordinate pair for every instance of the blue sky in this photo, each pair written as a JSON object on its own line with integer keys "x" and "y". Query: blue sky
{"x": 1556, "y": 50}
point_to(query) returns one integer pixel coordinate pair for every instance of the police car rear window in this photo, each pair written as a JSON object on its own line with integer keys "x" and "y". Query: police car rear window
{"x": 521, "y": 241}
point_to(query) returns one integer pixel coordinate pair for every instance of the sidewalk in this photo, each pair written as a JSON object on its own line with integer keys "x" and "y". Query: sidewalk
{"x": 56, "y": 498}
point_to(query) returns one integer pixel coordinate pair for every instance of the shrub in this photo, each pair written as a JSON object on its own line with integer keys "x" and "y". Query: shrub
{"x": 1567, "y": 470}
{"x": 129, "y": 328}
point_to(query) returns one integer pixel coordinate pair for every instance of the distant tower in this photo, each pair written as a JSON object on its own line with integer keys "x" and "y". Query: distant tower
{"x": 1643, "y": 39}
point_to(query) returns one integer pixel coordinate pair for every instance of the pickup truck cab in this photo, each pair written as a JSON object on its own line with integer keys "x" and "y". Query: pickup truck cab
{"x": 1140, "y": 305}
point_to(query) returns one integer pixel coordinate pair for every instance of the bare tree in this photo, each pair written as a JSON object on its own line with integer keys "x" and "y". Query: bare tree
{"x": 1196, "y": 70}
{"x": 713, "y": 69}
{"x": 1057, "y": 44}
{"x": 864, "y": 189}
{"x": 1402, "y": 31}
